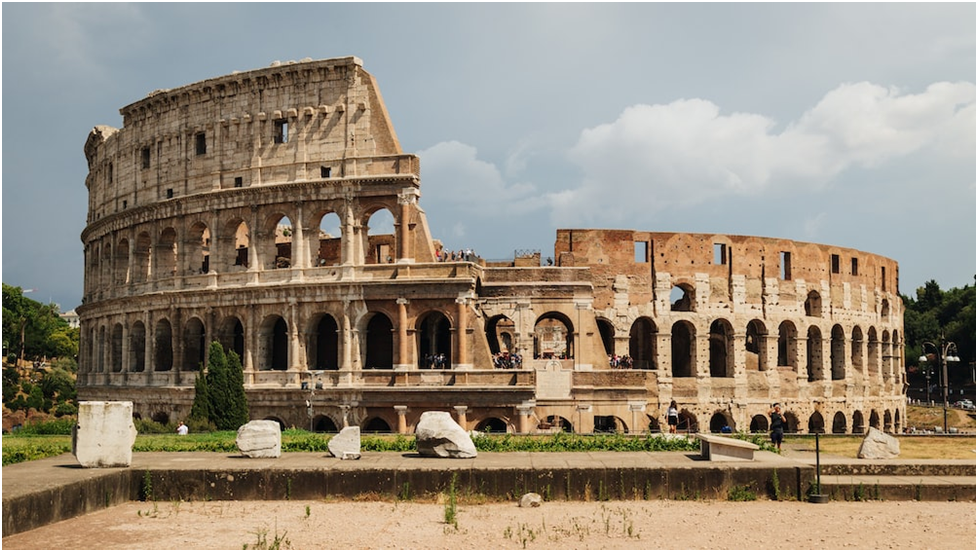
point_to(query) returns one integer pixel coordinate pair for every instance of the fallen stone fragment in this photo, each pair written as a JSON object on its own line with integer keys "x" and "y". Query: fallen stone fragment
{"x": 260, "y": 439}
{"x": 346, "y": 445}
{"x": 438, "y": 435}
{"x": 878, "y": 445}
{"x": 104, "y": 434}
{"x": 531, "y": 500}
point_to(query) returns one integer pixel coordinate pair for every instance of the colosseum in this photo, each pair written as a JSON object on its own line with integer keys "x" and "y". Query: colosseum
{"x": 239, "y": 210}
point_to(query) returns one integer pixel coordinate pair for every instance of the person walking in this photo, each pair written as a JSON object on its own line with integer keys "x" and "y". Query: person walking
{"x": 777, "y": 425}
{"x": 673, "y": 415}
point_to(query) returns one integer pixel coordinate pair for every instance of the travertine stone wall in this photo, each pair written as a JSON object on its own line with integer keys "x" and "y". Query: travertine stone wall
{"x": 241, "y": 209}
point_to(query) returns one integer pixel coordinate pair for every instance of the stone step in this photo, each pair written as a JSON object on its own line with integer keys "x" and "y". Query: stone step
{"x": 891, "y": 487}
{"x": 939, "y": 468}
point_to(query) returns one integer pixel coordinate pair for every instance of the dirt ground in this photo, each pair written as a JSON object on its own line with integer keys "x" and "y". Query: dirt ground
{"x": 760, "y": 525}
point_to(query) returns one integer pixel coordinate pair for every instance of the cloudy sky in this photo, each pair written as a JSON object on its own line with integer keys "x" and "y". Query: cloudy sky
{"x": 850, "y": 125}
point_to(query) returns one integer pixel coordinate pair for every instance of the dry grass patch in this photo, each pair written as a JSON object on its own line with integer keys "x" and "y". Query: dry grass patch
{"x": 911, "y": 446}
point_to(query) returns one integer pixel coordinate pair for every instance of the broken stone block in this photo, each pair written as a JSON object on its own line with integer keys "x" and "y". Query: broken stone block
{"x": 531, "y": 500}
{"x": 438, "y": 435}
{"x": 260, "y": 439}
{"x": 104, "y": 434}
{"x": 346, "y": 445}
{"x": 878, "y": 445}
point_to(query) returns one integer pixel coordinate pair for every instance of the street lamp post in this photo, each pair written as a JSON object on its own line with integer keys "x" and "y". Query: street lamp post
{"x": 944, "y": 355}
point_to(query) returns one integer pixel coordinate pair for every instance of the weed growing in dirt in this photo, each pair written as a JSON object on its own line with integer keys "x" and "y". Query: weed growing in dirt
{"x": 262, "y": 542}
{"x": 451, "y": 507}
{"x": 741, "y": 493}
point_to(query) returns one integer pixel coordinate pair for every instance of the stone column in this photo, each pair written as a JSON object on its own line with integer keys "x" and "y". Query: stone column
{"x": 255, "y": 235}
{"x": 462, "y": 361}
{"x": 460, "y": 417}
{"x": 346, "y": 338}
{"x": 215, "y": 255}
{"x": 403, "y": 360}
{"x": 401, "y": 418}
{"x": 583, "y": 409}
{"x": 406, "y": 199}
{"x": 636, "y": 408}
{"x": 524, "y": 414}
{"x": 299, "y": 247}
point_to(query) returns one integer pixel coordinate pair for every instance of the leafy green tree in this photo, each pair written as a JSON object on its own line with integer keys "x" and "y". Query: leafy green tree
{"x": 932, "y": 312}
{"x": 238, "y": 414}
{"x": 201, "y": 409}
{"x": 58, "y": 384}
{"x": 34, "y": 330}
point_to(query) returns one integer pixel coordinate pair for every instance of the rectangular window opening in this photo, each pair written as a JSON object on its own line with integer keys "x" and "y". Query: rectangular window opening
{"x": 719, "y": 253}
{"x": 281, "y": 131}
{"x": 835, "y": 264}
{"x": 641, "y": 252}
{"x": 785, "y": 265}
{"x": 324, "y": 172}
{"x": 110, "y": 173}
{"x": 855, "y": 266}
{"x": 883, "y": 276}
{"x": 169, "y": 193}
{"x": 125, "y": 203}
{"x": 145, "y": 157}
{"x": 238, "y": 182}
{"x": 201, "y": 140}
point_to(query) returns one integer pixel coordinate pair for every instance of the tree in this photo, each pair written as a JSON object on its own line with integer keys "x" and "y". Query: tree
{"x": 935, "y": 312}
{"x": 219, "y": 393}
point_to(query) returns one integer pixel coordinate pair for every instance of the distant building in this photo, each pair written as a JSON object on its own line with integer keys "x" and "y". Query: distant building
{"x": 71, "y": 317}
{"x": 211, "y": 217}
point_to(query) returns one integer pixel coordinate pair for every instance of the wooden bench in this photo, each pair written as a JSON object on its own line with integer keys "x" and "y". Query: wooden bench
{"x": 725, "y": 449}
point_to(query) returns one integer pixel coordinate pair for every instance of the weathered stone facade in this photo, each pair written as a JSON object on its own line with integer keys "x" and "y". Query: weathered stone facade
{"x": 238, "y": 209}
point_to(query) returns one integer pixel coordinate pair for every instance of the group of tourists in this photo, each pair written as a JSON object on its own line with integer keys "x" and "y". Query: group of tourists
{"x": 504, "y": 360}
{"x": 624, "y": 361}
{"x": 444, "y": 256}
{"x": 434, "y": 361}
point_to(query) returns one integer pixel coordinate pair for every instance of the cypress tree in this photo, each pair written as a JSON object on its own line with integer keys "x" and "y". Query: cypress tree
{"x": 238, "y": 401}
{"x": 201, "y": 409}
{"x": 217, "y": 387}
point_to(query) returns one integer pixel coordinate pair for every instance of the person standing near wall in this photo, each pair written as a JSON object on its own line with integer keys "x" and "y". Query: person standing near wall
{"x": 777, "y": 425}
{"x": 673, "y": 415}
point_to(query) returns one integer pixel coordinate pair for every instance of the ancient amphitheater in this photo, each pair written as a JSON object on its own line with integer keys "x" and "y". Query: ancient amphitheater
{"x": 238, "y": 210}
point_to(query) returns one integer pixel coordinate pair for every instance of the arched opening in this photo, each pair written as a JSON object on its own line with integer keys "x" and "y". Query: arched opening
{"x": 683, "y": 350}
{"x": 237, "y": 239}
{"x": 281, "y": 424}
{"x": 99, "y": 363}
{"x": 116, "y": 350}
{"x": 276, "y": 242}
{"x": 141, "y": 258}
{"x": 121, "y": 276}
{"x": 721, "y": 422}
{"x": 816, "y": 424}
{"x": 759, "y": 424}
{"x": 897, "y": 425}
{"x": 813, "y": 304}
{"x": 231, "y": 336}
{"x": 885, "y": 309}
{"x": 681, "y": 298}
{"x": 858, "y": 424}
{"x": 687, "y": 422}
{"x": 160, "y": 418}
{"x": 887, "y": 366}
{"x": 887, "y": 421}
{"x": 274, "y": 335}
{"x": 500, "y": 333}
{"x": 856, "y": 355}
{"x": 323, "y": 348}
{"x": 434, "y": 337}
{"x": 559, "y": 422}
{"x": 874, "y": 419}
{"x": 324, "y": 424}
{"x": 654, "y": 426}
{"x": 787, "y": 345}
{"x": 194, "y": 344}
{"x": 609, "y": 424}
{"x": 872, "y": 352}
{"x": 327, "y": 245}
{"x": 137, "y": 347}
{"x": 379, "y": 343}
{"x": 198, "y": 249}
{"x": 607, "y": 331}
{"x": 381, "y": 247}
{"x": 721, "y": 349}
{"x": 641, "y": 344}
{"x": 839, "y": 423}
{"x": 814, "y": 361}
{"x": 756, "y": 354}
{"x": 166, "y": 255}
{"x": 553, "y": 337}
{"x": 491, "y": 425}
{"x": 164, "y": 346}
{"x": 837, "y": 353}
{"x": 376, "y": 425}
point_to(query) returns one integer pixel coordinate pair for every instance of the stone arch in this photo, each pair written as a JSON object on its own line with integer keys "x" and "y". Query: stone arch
{"x": 160, "y": 417}
{"x": 721, "y": 349}
{"x": 235, "y": 240}
{"x": 887, "y": 356}
{"x": 609, "y": 424}
{"x": 121, "y": 270}
{"x": 837, "y": 353}
{"x": 501, "y": 334}
{"x": 858, "y": 427}
{"x": 137, "y": 347}
{"x": 197, "y": 248}
{"x": 887, "y": 421}
{"x": 166, "y": 254}
{"x": 99, "y": 363}
{"x": 874, "y": 419}
{"x": 560, "y": 422}
{"x": 380, "y": 245}
{"x": 492, "y": 425}
{"x": 754, "y": 345}
{"x": 116, "y": 348}
{"x": 379, "y": 342}
{"x": 163, "y": 356}
{"x": 682, "y": 298}
{"x": 642, "y": 343}
{"x": 813, "y": 362}
{"x": 607, "y": 331}
{"x": 791, "y": 422}
{"x": 231, "y": 336}
{"x": 376, "y": 425}
{"x": 839, "y": 423}
{"x": 105, "y": 266}
{"x": 275, "y": 242}
{"x": 687, "y": 422}
{"x": 434, "y": 340}
{"x": 897, "y": 424}
{"x": 813, "y": 304}
{"x": 872, "y": 352}
{"x": 324, "y": 424}
{"x": 553, "y": 336}
{"x": 683, "y": 349}
{"x": 323, "y": 347}
{"x": 721, "y": 419}
{"x": 326, "y": 242}
{"x": 758, "y": 423}
{"x": 276, "y": 419}
{"x": 856, "y": 354}
{"x": 194, "y": 344}
{"x": 885, "y": 309}
{"x": 141, "y": 258}
{"x": 273, "y": 343}
{"x": 787, "y": 344}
